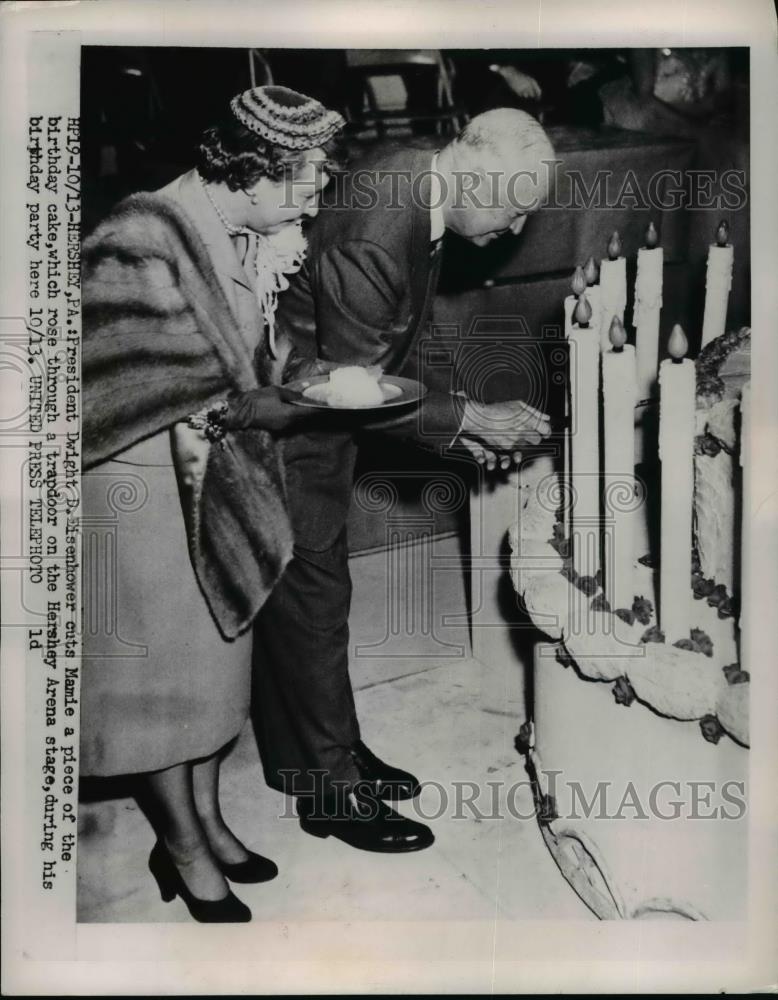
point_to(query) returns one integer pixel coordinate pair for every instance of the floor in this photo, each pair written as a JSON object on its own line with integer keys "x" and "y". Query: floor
{"x": 425, "y": 704}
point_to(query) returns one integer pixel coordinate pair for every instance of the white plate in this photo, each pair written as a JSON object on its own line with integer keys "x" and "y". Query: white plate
{"x": 397, "y": 391}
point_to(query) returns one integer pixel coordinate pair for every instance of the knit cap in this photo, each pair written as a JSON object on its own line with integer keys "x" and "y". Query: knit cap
{"x": 286, "y": 118}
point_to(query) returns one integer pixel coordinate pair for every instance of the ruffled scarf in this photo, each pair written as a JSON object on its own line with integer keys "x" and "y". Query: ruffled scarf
{"x": 274, "y": 258}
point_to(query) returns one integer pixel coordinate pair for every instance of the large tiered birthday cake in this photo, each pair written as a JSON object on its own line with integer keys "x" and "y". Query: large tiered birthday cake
{"x": 694, "y": 678}
{"x": 616, "y": 701}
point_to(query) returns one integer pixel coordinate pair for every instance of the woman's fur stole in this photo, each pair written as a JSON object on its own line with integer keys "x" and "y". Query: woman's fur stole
{"x": 160, "y": 343}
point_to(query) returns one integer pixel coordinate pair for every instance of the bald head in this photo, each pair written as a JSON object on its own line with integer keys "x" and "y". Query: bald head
{"x": 498, "y": 170}
{"x": 506, "y": 133}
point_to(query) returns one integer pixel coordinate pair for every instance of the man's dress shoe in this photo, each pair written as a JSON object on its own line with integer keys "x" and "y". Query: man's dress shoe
{"x": 363, "y": 821}
{"x": 387, "y": 782}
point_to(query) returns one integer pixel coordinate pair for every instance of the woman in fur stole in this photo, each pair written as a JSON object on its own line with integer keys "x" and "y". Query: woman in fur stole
{"x": 184, "y": 518}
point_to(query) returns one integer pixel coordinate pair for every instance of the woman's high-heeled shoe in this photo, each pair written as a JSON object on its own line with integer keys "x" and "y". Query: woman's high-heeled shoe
{"x": 229, "y": 910}
{"x": 254, "y": 869}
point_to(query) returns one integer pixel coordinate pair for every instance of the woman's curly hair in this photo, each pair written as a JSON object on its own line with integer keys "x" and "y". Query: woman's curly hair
{"x": 231, "y": 154}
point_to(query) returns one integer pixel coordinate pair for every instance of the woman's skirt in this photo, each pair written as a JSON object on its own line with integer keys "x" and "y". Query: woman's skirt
{"x": 159, "y": 684}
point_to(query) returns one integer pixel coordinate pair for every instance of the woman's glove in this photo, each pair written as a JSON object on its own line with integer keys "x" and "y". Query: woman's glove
{"x": 265, "y": 409}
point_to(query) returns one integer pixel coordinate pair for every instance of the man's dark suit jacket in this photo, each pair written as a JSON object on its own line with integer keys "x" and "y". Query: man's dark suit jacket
{"x": 362, "y": 297}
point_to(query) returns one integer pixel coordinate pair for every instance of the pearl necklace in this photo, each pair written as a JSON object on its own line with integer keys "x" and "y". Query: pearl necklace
{"x": 231, "y": 228}
{"x": 275, "y": 257}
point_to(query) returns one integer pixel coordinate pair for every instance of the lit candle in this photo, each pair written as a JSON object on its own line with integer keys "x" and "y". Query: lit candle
{"x": 648, "y": 306}
{"x": 619, "y": 389}
{"x": 584, "y": 439}
{"x": 745, "y": 530}
{"x": 613, "y": 289}
{"x": 578, "y": 286}
{"x": 591, "y": 274}
{"x": 676, "y": 453}
{"x": 717, "y": 284}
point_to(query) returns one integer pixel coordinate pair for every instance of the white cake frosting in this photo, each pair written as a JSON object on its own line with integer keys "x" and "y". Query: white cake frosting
{"x": 355, "y": 386}
{"x": 723, "y": 368}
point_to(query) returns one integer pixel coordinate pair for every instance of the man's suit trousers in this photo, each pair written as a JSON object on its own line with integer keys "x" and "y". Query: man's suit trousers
{"x": 303, "y": 705}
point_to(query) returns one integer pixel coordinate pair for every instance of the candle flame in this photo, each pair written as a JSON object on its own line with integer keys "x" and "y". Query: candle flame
{"x": 583, "y": 311}
{"x": 591, "y": 271}
{"x": 677, "y": 345}
{"x": 617, "y": 334}
{"x": 722, "y": 233}
{"x": 578, "y": 283}
{"x": 652, "y": 236}
{"x": 614, "y": 246}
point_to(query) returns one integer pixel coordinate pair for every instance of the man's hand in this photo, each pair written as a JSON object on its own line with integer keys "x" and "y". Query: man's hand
{"x": 264, "y": 408}
{"x": 522, "y": 84}
{"x": 486, "y": 456}
{"x": 491, "y": 428}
